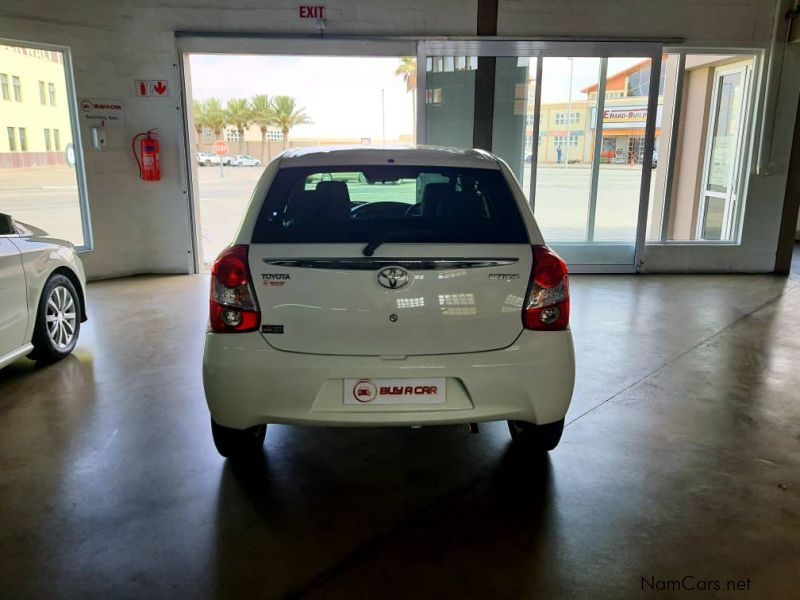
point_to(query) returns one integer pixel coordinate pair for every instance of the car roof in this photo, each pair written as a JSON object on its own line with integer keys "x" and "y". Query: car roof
{"x": 440, "y": 156}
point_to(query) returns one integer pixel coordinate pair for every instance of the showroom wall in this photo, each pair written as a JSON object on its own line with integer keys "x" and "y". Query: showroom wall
{"x": 145, "y": 227}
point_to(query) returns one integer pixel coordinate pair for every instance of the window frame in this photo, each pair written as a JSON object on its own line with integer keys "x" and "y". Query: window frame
{"x": 16, "y": 84}
{"x": 5, "y": 90}
{"x": 729, "y": 211}
{"x": 74, "y": 122}
{"x": 51, "y": 93}
{"x": 747, "y": 156}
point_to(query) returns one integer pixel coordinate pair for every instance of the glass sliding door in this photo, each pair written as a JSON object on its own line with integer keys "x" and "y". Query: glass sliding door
{"x": 566, "y": 148}
{"x": 449, "y": 100}
{"x": 615, "y": 220}
{"x": 576, "y": 123}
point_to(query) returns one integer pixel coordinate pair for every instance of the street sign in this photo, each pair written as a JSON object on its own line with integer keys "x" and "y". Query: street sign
{"x": 220, "y": 147}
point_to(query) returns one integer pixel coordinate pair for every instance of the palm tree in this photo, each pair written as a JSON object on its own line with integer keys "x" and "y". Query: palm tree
{"x": 214, "y": 115}
{"x": 199, "y": 120}
{"x": 407, "y": 69}
{"x": 288, "y": 115}
{"x": 240, "y": 116}
{"x": 263, "y": 114}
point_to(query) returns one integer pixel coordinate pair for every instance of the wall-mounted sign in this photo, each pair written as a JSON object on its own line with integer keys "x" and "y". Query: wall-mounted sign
{"x": 158, "y": 88}
{"x": 625, "y": 117}
{"x": 311, "y": 12}
{"x": 106, "y": 113}
{"x": 624, "y": 114}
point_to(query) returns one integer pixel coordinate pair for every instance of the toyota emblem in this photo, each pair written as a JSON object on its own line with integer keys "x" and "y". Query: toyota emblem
{"x": 393, "y": 278}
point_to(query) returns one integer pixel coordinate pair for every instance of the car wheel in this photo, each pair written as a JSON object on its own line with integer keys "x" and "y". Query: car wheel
{"x": 207, "y": 163}
{"x": 238, "y": 443}
{"x": 539, "y": 438}
{"x": 58, "y": 320}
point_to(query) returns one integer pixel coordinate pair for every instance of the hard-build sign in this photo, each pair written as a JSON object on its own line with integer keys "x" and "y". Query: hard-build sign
{"x": 106, "y": 113}
{"x": 158, "y": 88}
{"x": 625, "y": 117}
{"x": 311, "y": 12}
{"x": 625, "y": 114}
{"x": 220, "y": 147}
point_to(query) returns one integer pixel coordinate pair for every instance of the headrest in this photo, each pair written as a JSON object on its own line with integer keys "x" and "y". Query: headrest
{"x": 466, "y": 204}
{"x": 432, "y": 197}
{"x": 334, "y": 199}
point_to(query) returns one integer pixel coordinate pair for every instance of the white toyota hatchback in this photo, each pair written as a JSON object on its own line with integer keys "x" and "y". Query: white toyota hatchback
{"x": 375, "y": 287}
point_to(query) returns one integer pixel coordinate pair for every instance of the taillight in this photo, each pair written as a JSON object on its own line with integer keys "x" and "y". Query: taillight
{"x": 233, "y": 306}
{"x": 547, "y": 305}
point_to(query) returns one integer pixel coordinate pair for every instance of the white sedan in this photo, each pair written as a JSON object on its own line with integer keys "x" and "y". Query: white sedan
{"x": 42, "y": 294}
{"x": 374, "y": 287}
{"x": 243, "y": 160}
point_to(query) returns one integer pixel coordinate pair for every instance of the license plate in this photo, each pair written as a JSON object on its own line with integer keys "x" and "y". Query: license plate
{"x": 395, "y": 391}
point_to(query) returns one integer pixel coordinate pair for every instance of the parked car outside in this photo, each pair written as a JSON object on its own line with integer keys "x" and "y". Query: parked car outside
{"x": 430, "y": 301}
{"x": 243, "y": 160}
{"x": 42, "y": 294}
{"x": 207, "y": 159}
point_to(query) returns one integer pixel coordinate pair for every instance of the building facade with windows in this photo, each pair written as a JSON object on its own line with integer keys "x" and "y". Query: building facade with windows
{"x": 35, "y": 125}
{"x": 567, "y": 128}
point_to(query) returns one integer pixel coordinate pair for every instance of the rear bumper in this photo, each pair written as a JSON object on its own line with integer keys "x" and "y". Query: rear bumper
{"x": 247, "y": 383}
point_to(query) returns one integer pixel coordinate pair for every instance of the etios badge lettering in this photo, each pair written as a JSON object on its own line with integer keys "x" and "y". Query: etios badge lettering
{"x": 393, "y": 278}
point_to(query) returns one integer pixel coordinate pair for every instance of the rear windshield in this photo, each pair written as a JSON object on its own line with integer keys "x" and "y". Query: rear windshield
{"x": 391, "y": 204}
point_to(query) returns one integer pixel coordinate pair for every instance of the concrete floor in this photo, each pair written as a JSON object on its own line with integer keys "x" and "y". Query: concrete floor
{"x": 681, "y": 457}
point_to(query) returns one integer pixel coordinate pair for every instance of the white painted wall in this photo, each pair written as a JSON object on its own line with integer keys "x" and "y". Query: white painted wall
{"x": 730, "y": 22}
{"x": 144, "y": 227}
{"x": 141, "y": 227}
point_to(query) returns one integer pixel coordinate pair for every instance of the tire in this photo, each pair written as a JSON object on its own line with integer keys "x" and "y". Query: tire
{"x": 238, "y": 443}
{"x": 536, "y": 438}
{"x": 58, "y": 320}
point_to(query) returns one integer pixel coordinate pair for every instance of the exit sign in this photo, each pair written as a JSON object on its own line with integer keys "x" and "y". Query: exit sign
{"x": 311, "y": 12}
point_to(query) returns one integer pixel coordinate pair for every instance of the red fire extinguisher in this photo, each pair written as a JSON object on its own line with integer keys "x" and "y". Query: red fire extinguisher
{"x": 150, "y": 164}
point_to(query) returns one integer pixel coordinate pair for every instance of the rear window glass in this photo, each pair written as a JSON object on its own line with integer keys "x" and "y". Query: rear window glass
{"x": 389, "y": 203}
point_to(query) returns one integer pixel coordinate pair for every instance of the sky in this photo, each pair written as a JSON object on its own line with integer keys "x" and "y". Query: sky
{"x": 342, "y": 95}
{"x": 585, "y": 72}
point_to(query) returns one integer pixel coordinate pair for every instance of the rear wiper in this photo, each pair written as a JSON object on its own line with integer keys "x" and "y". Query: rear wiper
{"x": 385, "y": 236}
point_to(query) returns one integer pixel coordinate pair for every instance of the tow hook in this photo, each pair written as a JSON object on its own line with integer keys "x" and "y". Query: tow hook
{"x": 473, "y": 428}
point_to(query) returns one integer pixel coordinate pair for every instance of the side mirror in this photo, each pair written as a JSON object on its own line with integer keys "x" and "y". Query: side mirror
{"x": 7, "y": 226}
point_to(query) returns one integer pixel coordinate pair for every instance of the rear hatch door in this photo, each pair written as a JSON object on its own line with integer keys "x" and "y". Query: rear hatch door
{"x": 412, "y": 299}
{"x": 390, "y": 260}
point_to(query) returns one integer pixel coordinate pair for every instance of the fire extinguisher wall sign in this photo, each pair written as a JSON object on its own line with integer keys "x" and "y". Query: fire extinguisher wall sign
{"x": 147, "y": 157}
